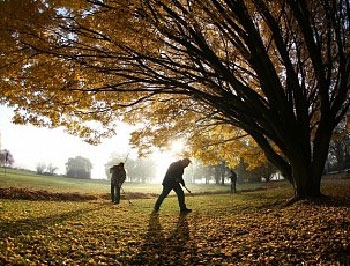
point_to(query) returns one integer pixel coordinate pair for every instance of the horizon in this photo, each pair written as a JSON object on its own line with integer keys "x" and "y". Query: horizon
{"x": 31, "y": 145}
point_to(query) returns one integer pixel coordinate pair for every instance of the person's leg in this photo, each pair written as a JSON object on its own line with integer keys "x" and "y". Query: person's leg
{"x": 118, "y": 194}
{"x": 180, "y": 196}
{"x": 162, "y": 196}
{"x": 112, "y": 191}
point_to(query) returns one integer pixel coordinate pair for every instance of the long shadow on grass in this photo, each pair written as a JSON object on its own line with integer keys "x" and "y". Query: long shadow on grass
{"x": 26, "y": 226}
{"x": 157, "y": 249}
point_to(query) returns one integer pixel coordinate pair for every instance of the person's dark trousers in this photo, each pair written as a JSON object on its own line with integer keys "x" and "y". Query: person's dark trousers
{"x": 115, "y": 193}
{"x": 233, "y": 188}
{"x": 166, "y": 190}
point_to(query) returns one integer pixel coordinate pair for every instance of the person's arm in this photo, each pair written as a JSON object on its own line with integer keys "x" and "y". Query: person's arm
{"x": 124, "y": 175}
{"x": 111, "y": 172}
{"x": 182, "y": 182}
{"x": 121, "y": 175}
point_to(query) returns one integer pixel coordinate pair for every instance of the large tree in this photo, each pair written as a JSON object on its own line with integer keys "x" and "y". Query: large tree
{"x": 215, "y": 69}
{"x": 78, "y": 167}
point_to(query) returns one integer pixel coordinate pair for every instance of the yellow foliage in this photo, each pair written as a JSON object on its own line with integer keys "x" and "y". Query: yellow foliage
{"x": 180, "y": 69}
{"x": 64, "y": 101}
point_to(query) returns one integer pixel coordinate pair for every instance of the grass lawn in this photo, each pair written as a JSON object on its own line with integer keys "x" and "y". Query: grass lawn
{"x": 58, "y": 184}
{"x": 248, "y": 228}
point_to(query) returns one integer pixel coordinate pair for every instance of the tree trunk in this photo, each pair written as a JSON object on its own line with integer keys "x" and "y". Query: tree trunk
{"x": 307, "y": 170}
{"x": 307, "y": 180}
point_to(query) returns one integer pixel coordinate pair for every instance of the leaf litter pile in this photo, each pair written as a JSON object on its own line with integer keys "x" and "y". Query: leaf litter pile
{"x": 253, "y": 228}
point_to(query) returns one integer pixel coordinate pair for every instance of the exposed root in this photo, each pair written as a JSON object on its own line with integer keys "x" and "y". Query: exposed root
{"x": 305, "y": 199}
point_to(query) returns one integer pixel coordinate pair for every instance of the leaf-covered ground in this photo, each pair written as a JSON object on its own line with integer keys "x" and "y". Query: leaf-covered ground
{"x": 251, "y": 228}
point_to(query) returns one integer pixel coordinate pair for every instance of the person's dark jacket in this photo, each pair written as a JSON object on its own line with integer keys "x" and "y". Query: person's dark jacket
{"x": 174, "y": 174}
{"x": 118, "y": 175}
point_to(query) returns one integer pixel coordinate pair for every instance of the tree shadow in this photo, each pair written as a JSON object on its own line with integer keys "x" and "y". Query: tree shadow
{"x": 157, "y": 249}
{"x": 26, "y": 226}
{"x": 324, "y": 200}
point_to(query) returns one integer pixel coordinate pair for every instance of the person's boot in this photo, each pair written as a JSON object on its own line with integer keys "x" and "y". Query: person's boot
{"x": 185, "y": 210}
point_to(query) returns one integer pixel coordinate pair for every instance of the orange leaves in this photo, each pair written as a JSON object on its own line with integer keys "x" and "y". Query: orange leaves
{"x": 189, "y": 69}
{"x": 79, "y": 62}
{"x": 251, "y": 228}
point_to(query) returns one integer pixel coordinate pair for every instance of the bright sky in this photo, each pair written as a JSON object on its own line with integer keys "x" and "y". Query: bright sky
{"x": 163, "y": 159}
{"x": 31, "y": 145}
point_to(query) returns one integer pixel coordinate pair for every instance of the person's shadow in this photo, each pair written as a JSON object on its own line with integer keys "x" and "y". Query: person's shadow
{"x": 157, "y": 249}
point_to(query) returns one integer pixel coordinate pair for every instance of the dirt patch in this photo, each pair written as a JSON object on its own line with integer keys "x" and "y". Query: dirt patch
{"x": 29, "y": 194}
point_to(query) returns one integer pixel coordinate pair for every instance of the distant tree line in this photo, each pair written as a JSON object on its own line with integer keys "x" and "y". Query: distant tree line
{"x": 143, "y": 170}
{"x": 139, "y": 170}
{"x": 219, "y": 173}
{"x": 46, "y": 169}
{"x": 76, "y": 167}
{"x": 339, "y": 151}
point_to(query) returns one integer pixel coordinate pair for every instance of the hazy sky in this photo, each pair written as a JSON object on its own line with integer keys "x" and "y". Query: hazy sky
{"x": 31, "y": 145}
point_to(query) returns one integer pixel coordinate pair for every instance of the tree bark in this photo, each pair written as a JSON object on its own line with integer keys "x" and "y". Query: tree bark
{"x": 307, "y": 168}
{"x": 307, "y": 185}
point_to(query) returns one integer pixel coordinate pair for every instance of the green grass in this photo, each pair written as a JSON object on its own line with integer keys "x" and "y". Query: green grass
{"x": 14, "y": 178}
{"x": 26, "y": 179}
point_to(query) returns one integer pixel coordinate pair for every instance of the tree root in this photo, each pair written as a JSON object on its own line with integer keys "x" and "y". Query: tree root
{"x": 305, "y": 199}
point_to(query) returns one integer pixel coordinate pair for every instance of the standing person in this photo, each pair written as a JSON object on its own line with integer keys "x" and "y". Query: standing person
{"x": 172, "y": 180}
{"x": 118, "y": 178}
{"x": 233, "y": 178}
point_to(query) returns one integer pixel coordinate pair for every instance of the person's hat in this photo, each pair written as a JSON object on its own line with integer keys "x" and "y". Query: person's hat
{"x": 121, "y": 164}
{"x": 187, "y": 160}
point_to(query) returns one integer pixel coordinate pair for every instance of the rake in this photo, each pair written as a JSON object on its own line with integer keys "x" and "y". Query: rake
{"x": 123, "y": 191}
{"x": 189, "y": 191}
